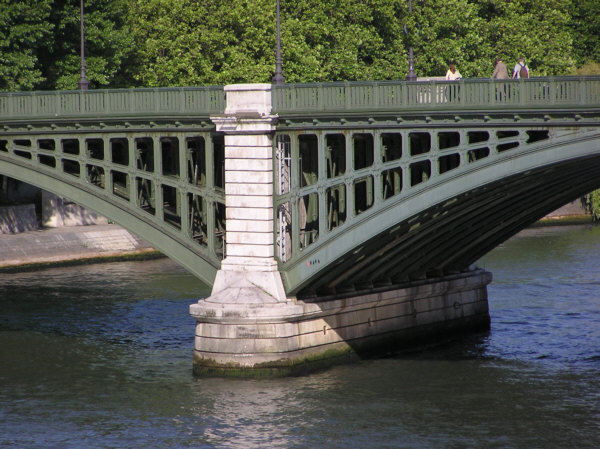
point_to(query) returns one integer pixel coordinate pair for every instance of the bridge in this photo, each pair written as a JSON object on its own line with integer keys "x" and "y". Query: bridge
{"x": 324, "y": 215}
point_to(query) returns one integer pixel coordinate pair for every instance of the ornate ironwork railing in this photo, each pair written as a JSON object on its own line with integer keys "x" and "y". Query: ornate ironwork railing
{"x": 390, "y": 96}
{"x": 192, "y": 101}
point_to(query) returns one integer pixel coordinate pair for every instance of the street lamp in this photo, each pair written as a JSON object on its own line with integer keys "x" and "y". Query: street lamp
{"x": 411, "y": 76}
{"x": 83, "y": 83}
{"x": 278, "y": 77}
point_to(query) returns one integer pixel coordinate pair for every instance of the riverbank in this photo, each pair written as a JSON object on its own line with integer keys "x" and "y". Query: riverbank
{"x": 71, "y": 245}
{"x": 573, "y": 213}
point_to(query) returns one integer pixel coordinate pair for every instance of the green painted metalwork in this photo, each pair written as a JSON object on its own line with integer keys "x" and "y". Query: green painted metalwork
{"x": 149, "y": 159}
{"x": 376, "y": 183}
{"x": 392, "y": 182}
{"x": 163, "y": 183}
{"x": 198, "y": 102}
{"x": 397, "y": 97}
{"x": 456, "y": 194}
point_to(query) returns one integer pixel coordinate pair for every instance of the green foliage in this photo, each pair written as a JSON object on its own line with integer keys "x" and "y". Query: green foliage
{"x": 183, "y": 42}
{"x": 108, "y": 43}
{"x": 451, "y": 31}
{"x": 589, "y": 68}
{"x": 343, "y": 40}
{"x": 22, "y": 25}
{"x": 585, "y": 25}
{"x": 192, "y": 42}
{"x": 40, "y": 44}
{"x": 535, "y": 29}
{"x": 592, "y": 202}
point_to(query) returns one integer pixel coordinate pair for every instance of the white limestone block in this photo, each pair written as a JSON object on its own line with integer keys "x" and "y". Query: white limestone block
{"x": 265, "y": 165}
{"x": 237, "y": 249}
{"x": 249, "y": 177}
{"x": 242, "y": 213}
{"x": 235, "y": 225}
{"x": 246, "y": 152}
{"x": 248, "y": 189}
{"x": 251, "y": 201}
{"x": 258, "y": 141}
{"x": 250, "y": 238}
{"x": 248, "y": 98}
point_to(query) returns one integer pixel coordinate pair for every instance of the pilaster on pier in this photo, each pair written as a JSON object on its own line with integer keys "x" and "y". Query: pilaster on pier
{"x": 249, "y": 271}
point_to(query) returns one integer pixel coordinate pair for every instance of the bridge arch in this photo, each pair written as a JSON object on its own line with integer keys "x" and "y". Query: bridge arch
{"x": 183, "y": 252}
{"x": 354, "y": 209}
{"x": 415, "y": 234}
{"x": 163, "y": 185}
{"x": 539, "y": 132}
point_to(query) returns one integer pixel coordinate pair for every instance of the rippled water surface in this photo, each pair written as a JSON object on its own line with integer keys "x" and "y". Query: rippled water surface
{"x": 100, "y": 357}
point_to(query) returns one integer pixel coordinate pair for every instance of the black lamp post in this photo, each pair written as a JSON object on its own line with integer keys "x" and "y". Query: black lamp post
{"x": 411, "y": 76}
{"x": 278, "y": 77}
{"x": 83, "y": 83}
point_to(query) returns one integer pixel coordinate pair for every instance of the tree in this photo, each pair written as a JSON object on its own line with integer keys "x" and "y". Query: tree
{"x": 183, "y": 42}
{"x": 192, "y": 42}
{"x": 344, "y": 40}
{"x": 108, "y": 45}
{"x": 23, "y": 24}
{"x": 586, "y": 30}
{"x": 538, "y": 30}
{"x": 451, "y": 31}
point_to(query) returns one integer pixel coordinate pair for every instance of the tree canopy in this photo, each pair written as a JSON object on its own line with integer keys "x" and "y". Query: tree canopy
{"x": 23, "y": 25}
{"x": 146, "y": 43}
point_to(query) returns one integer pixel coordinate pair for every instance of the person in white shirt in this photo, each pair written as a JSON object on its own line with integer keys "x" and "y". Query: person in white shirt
{"x": 519, "y": 66}
{"x": 453, "y": 73}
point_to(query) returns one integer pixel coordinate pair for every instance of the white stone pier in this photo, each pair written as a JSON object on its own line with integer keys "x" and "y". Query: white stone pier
{"x": 249, "y": 271}
{"x": 249, "y": 327}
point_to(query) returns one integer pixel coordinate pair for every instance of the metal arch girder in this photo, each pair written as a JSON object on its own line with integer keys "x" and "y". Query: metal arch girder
{"x": 25, "y": 162}
{"x": 170, "y": 245}
{"x": 488, "y": 216}
{"x": 347, "y": 245}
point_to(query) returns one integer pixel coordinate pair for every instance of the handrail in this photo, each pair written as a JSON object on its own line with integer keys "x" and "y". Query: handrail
{"x": 432, "y": 95}
{"x": 113, "y": 103}
{"x": 377, "y": 97}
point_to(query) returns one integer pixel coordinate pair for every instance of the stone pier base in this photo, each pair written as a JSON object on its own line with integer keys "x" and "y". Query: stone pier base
{"x": 238, "y": 337}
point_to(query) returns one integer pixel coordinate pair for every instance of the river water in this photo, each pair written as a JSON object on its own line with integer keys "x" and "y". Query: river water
{"x": 100, "y": 357}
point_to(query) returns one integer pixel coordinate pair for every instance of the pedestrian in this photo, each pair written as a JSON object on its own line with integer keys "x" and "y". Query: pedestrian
{"x": 521, "y": 70}
{"x": 500, "y": 71}
{"x": 453, "y": 73}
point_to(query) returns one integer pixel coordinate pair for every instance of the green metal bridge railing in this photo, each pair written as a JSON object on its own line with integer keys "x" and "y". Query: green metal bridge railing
{"x": 314, "y": 98}
{"x": 443, "y": 96}
{"x": 183, "y": 101}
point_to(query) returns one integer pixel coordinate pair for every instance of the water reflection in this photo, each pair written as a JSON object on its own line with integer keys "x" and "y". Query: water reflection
{"x": 402, "y": 402}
